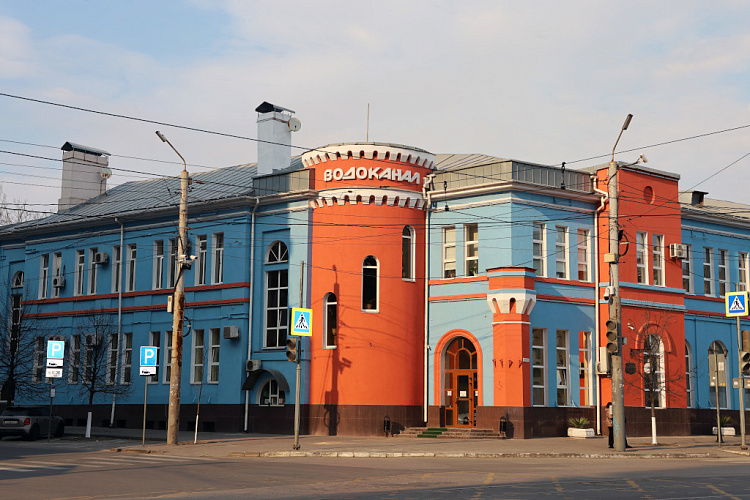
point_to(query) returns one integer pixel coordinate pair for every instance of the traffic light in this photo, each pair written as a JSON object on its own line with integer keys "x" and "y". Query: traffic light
{"x": 745, "y": 352}
{"x": 612, "y": 345}
{"x": 291, "y": 349}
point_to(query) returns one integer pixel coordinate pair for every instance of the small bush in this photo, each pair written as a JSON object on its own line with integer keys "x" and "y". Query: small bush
{"x": 578, "y": 422}
{"x": 726, "y": 421}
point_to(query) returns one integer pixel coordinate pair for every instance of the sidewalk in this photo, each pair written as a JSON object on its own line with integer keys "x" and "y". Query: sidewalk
{"x": 219, "y": 445}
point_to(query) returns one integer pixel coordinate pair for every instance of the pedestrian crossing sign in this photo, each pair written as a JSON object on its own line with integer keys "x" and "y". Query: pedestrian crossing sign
{"x": 302, "y": 322}
{"x": 736, "y": 303}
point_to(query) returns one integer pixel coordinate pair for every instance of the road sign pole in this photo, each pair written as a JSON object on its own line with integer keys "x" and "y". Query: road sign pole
{"x": 145, "y": 398}
{"x": 743, "y": 443}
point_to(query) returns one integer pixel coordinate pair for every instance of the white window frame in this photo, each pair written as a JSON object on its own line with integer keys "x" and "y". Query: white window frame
{"x": 167, "y": 357}
{"x": 449, "y": 252}
{"x": 743, "y": 278}
{"x": 154, "y": 340}
{"x": 561, "y": 252}
{"x": 214, "y": 352}
{"x": 43, "y": 275}
{"x": 586, "y": 359}
{"x": 74, "y": 354}
{"x": 56, "y": 271}
{"x": 92, "y": 271}
{"x": 330, "y": 303}
{"x": 723, "y": 272}
{"x": 539, "y": 350}
{"x": 584, "y": 256}
{"x": 471, "y": 250}
{"x": 562, "y": 368}
{"x": 367, "y": 276}
{"x": 687, "y": 270}
{"x": 37, "y": 374}
{"x": 116, "y": 268}
{"x": 724, "y": 390}
{"x": 660, "y": 391}
{"x": 173, "y": 270}
{"x": 158, "y": 278}
{"x": 689, "y": 376}
{"x": 217, "y": 260}
{"x": 112, "y": 358}
{"x": 277, "y": 256}
{"x": 126, "y": 363}
{"x": 79, "y": 273}
{"x": 201, "y": 244}
{"x": 539, "y": 248}
{"x": 709, "y": 288}
{"x": 657, "y": 259}
{"x": 641, "y": 258}
{"x": 198, "y": 357}
{"x": 408, "y": 249}
{"x": 130, "y": 267}
{"x": 276, "y": 396}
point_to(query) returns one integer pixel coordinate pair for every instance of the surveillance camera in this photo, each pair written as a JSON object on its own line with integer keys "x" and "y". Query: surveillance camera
{"x": 609, "y": 292}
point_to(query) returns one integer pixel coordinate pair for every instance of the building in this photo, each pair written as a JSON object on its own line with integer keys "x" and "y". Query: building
{"x": 451, "y": 290}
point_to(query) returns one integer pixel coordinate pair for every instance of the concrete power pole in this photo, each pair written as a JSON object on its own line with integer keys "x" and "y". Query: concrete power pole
{"x": 178, "y": 309}
{"x": 615, "y": 305}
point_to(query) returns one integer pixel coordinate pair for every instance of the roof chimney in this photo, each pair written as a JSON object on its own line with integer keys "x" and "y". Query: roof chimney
{"x": 697, "y": 198}
{"x": 275, "y": 127}
{"x": 84, "y": 176}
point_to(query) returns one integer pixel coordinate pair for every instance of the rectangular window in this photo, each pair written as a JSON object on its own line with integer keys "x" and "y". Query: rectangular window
{"x": 277, "y": 288}
{"x": 173, "y": 263}
{"x": 563, "y": 370}
{"x": 112, "y": 350}
{"x": 158, "y": 281}
{"x": 92, "y": 271}
{"x": 154, "y": 341}
{"x": 742, "y": 285}
{"x": 116, "y": 268}
{"x": 538, "y": 367}
{"x": 583, "y": 255}
{"x": 127, "y": 357}
{"x": 217, "y": 263}
{"x": 449, "y": 252}
{"x": 43, "y": 276}
{"x": 708, "y": 266}
{"x": 687, "y": 269}
{"x": 200, "y": 265}
{"x": 539, "y": 248}
{"x": 641, "y": 256}
{"x": 87, "y": 349}
{"x": 214, "y": 343}
{"x": 561, "y": 252}
{"x": 723, "y": 273}
{"x": 657, "y": 259}
{"x": 407, "y": 253}
{"x": 586, "y": 373}
{"x": 331, "y": 320}
{"x": 471, "y": 249}
{"x": 199, "y": 350}
{"x": 37, "y": 375}
{"x": 167, "y": 356}
{"x": 57, "y": 273}
{"x": 80, "y": 269}
{"x": 74, "y": 370}
{"x": 130, "y": 268}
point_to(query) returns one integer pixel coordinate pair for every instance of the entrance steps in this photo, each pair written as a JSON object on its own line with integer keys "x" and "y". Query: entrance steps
{"x": 449, "y": 433}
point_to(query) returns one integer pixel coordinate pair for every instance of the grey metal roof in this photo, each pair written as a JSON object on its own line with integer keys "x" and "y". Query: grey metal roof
{"x": 72, "y": 146}
{"x": 451, "y": 161}
{"x": 725, "y": 210}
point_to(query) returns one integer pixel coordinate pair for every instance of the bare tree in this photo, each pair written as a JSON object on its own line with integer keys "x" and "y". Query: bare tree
{"x": 16, "y": 210}
{"x": 648, "y": 371}
{"x": 96, "y": 343}
{"x": 22, "y": 343}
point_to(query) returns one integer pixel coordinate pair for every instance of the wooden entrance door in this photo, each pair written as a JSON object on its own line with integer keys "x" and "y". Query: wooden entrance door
{"x": 461, "y": 394}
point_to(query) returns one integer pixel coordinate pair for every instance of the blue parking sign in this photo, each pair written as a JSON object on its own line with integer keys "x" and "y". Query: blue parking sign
{"x": 149, "y": 355}
{"x": 55, "y": 349}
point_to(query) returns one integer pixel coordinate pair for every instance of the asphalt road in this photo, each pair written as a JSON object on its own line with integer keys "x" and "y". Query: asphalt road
{"x": 67, "y": 469}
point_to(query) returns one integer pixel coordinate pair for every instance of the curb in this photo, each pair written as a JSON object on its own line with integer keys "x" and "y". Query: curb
{"x": 380, "y": 454}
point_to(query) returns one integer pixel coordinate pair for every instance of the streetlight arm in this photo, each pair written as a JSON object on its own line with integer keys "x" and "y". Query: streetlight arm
{"x": 184, "y": 164}
{"x": 623, "y": 129}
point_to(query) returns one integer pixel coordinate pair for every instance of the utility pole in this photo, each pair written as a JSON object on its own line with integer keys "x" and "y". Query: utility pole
{"x": 615, "y": 304}
{"x": 178, "y": 308}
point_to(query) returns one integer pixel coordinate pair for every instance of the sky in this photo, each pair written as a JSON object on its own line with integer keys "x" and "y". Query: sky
{"x": 539, "y": 81}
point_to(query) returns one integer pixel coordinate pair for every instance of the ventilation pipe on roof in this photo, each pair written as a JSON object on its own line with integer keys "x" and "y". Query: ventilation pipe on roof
{"x": 84, "y": 176}
{"x": 697, "y": 198}
{"x": 275, "y": 127}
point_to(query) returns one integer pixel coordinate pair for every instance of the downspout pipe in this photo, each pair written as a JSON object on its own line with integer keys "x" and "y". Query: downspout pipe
{"x": 602, "y": 201}
{"x": 119, "y": 326}
{"x": 427, "y": 196}
{"x": 250, "y": 308}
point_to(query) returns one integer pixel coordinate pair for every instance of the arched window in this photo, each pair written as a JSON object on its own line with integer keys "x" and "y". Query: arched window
{"x": 17, "y": 280}
{"x": 717, "y": 361}
{"x": 653, "y": 372}
{"x": 331, "y": 320}
{"x": 370, "y": 284}
{"x": 407, "y": 253}
{"x": 689, "y": 391}
{"x": 271, "y": 394}
{"x": 277, "y": 295}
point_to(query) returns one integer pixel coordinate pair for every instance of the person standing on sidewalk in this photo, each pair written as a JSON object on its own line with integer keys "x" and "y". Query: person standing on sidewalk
{"x": 608, "y": 416}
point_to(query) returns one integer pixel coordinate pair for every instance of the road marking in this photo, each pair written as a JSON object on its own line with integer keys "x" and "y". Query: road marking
{"x": 556, "y": 482}
{"x": 489, "y": 477}
{"x": 634, "y": 485}
{"x": 719, "y": 490}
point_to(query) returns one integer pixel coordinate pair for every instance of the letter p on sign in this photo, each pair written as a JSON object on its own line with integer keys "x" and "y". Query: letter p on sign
{"x": 55, "y": 349}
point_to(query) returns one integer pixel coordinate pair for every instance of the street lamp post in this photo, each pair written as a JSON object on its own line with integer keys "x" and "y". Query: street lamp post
{"x": 178, "y": 308}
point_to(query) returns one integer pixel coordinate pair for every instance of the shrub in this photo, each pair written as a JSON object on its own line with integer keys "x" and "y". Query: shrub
{"x": 578, "y": 422}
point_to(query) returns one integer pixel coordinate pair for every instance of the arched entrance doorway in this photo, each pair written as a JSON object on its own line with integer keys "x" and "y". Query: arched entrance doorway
{"x": 460, "y": 383}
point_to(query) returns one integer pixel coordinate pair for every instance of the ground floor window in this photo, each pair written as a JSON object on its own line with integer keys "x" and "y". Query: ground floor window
{"x": 271, "y": 395}
{"x": 538, "y": 369}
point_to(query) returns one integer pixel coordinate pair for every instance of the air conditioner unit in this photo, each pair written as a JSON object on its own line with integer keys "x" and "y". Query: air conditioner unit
{"x": 232, "y": 332}
{"x": 678, "y": 251}
{"x": 58, "y": 282}
{"x": 101, "y": 258}
{"x": 252, "y": 365}
{"x": 602, "y": 364}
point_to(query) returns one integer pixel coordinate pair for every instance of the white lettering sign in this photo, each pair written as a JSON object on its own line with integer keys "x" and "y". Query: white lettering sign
{"x": 372, "y": 173}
